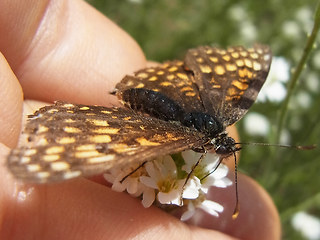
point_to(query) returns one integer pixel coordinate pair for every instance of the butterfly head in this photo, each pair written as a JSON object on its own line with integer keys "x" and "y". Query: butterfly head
{"x": 224, "y": 145}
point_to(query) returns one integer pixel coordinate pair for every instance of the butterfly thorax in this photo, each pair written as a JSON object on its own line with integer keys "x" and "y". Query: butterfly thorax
{"x": 203, "y": 122}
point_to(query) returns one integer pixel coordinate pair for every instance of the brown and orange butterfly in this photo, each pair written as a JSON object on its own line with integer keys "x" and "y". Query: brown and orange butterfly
{"x": 170, "y": 108}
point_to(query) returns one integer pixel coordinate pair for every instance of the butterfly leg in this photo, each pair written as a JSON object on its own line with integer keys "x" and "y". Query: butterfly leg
{"x": 191, "y": 172}
{"x": 215, "y": 168}
{"x": 132, "y": 172}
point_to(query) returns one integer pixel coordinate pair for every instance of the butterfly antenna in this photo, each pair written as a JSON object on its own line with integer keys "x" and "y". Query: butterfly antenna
{"x": 298, "y": 147}
{"x": 237, "y": 207}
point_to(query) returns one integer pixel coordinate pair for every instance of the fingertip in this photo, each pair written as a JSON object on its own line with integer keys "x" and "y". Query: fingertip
{"x": 204, "y": 234}
{"x": 11, "y": 99}
{"x": 258, "y": 217}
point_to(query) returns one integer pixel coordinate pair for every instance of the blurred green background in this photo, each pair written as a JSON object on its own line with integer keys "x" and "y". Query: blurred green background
{"x": 165, "y": 29}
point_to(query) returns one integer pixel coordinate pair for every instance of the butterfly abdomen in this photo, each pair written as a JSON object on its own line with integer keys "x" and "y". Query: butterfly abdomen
{"x": 153, "y": 103}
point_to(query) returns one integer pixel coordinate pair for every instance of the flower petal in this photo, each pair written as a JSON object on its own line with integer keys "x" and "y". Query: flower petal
{"x": 189, "y": 213}
{"x": 172, "y": 197}
{"x": 211, "y": 207}
{"x": 148, "y": 197}
{"x": 191, "y": 190}
{"x": 148, "y": 181}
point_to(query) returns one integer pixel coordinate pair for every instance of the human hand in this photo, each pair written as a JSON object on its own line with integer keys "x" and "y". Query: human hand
{"x": 65, "y": 50}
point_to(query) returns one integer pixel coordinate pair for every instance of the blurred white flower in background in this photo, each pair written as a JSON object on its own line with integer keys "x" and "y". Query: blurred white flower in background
{"x": 304, "y": 16}
{"x": 316, "y": 59}
{"x": 136, "y": 1}
{"x": 274, "y": 89}
{"x": 302, "y": 99}
{"x": 237, "y": 12}
{"x": 307, "y": 225}
{"x": 256, "y": 124}
{"x": 302, "y": 22}
{"x": 291, "y": 30}
{"x": 312, "y": 81}
{"x": 248, "y": 30}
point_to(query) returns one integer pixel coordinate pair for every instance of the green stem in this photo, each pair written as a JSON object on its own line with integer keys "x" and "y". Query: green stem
{"x": 297, "y": 72}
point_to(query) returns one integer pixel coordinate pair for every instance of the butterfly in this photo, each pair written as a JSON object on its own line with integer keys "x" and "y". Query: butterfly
{"x": 169, "y": 108}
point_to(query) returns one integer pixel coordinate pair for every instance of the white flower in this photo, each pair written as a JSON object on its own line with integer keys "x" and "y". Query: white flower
{"x": 163, "y": 177}
{"x": 191, "y": 189}
{"x": 207, "y": 164}
{"x": 217, "y": 177}
{"x": 131, "y": 183}
{"x": 273, "y": 89}
{"x": 211, "y": 207}
{"x": 160, "y": 179}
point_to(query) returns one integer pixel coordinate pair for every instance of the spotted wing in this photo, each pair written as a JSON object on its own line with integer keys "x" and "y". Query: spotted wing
{"x": 65, "y": 140}
{"x": 229, "y": 80}
{"x": 171, "y": 79}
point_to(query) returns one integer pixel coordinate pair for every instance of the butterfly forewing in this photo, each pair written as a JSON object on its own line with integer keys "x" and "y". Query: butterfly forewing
{"x": 65, "y": 140}
{"x": 229, "y": 80}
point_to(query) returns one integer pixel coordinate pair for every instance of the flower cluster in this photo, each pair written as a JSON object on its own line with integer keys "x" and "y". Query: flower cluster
{"x": 167, "y": 180}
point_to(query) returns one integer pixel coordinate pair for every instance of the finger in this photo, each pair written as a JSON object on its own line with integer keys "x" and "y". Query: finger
{"x": 66, "y": 50}
{"x": 258, "y": 217}
{"x": 100, "y": 214}
{"x": 10, "y": 104}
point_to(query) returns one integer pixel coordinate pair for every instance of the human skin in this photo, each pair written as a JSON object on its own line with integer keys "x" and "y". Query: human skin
{"x": 66, "y": 50}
